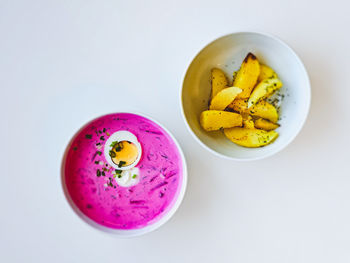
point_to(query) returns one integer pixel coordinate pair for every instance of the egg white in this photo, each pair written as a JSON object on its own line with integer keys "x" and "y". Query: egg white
{"x": 128, "y": 177}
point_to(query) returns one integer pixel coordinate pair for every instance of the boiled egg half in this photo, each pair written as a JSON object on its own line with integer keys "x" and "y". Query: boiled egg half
{"x": 123, "y": 152}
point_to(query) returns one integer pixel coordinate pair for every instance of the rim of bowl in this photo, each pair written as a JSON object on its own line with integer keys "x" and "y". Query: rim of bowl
{"x": 126, "y": 233}
{"x": 301, "y": 124}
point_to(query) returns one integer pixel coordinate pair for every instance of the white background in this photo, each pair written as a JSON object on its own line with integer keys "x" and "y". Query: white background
{"x": 63, "y": 63}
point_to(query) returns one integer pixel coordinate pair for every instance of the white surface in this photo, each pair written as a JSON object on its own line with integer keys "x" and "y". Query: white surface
{"x": 60, "y": 65}
{"x": 227, "y": 53}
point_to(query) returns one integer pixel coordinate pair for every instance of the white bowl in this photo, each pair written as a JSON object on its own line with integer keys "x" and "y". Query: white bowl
{"x": 126, "y": 233}
{"x": 227, "y": 53}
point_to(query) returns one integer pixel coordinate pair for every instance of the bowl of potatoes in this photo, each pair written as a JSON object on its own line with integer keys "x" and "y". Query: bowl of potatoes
{"x": 245, "y": 96}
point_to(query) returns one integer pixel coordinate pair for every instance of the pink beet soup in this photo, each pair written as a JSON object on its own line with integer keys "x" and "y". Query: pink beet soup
{"x": 99, "y": 197}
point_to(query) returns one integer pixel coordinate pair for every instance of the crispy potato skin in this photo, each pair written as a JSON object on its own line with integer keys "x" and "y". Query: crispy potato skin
{"x": 264, "y": 110}
{"x": 263, "y": 90}
{"x": 265, "y": 124}
{"x": 224, "y": 98}
{"x": 212, "y": 120}
{"x": 266, "y": 73}
{"x": 218, "y": 81}
{"x": 251, "y": 138}
{"x": 247, "y": 76}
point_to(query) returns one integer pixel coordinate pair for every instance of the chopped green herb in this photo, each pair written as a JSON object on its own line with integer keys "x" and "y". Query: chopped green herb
{"x": 98, "y": 173}
{"x": 113, "y": 143}
{"x": 97, "y": 144}
{"x": 99, "y": 153}
{"x": 97, "y": 162}
{"x": 118, "y": 171}
{"x": 103, "y": 173}
{"x": 104, "y": 130}
{"x": 121, "y": 163}
{"x": 118, "y": 148}
{"x": 99, "y": 132}
{"x": 114, "y": 175}
{"x": 88, "y": 136}
{"x": 119, "y": 176}
{"x": 102, "y": 138}
{"x": 134, "y": 176}
{"x": 107, "y": 133}
{"x": 112, "y": 154}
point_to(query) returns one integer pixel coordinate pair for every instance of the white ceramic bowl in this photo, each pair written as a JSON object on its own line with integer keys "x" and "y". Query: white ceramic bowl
{"x": 227, "y": 53}
{"x": 126, "y": 233}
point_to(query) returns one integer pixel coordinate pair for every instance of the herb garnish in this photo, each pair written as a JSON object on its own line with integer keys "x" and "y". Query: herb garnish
{"x": 118, "y": 171}
{"x": 98, "y": 173}
{"x": 118, "y": 148}
{"x": 104, "y": 130}
{"x": 102, "y": 138}
{"x": 113, "y": 143}
{"x": 134, "y": 176}
{"x": 97, "y": 162}
{"x": 99, "y": 153}
{"x": 88, "y": 136}
{"x": 112, "y": 154}
{"x": 121, "y": 163}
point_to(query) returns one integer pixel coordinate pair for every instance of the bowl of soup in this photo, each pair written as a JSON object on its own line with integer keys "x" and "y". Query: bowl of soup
{"x": 124, "y": 173}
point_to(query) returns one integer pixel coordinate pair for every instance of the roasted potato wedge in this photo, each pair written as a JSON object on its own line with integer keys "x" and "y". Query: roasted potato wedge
{"x": 242, "y": 111}
{"x": 264, "y": 110}
{"x": 251, "y": 138}
{"x": 218, "y": 81}
{"x": 239, "y": 105}
{"x": 265, "y": 124}
{"x": 212, "y": 120}
{"x": 266, "y": 73}
{"x": 263, "y": 90}
{"x": 247, "y": 76}
{"x": 223, "y": 98}
{"x": 248, "y": 122}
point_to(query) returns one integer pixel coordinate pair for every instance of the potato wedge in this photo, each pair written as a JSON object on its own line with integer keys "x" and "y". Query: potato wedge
{"x": 247, "y": 76}
{"x": 239, "y": 105}
{"x": 218, "y": 81}
{"x": 265, "y": 124}
{"x": 251, "y": 138}
{"x": 223, "y": 98}
{"x": 248, "y": 122}
{"x": 263, "y": 90}
{"x": 266, "y": 73}
{"x": 264, "y": 110}
{"x": 212, "y": 120}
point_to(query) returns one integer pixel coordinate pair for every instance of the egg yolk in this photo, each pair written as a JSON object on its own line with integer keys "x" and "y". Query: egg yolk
{"x": 124, "y": 153}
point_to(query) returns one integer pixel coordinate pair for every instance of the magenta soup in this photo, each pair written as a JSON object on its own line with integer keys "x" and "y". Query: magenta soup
{"x": 98, "y": 196}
